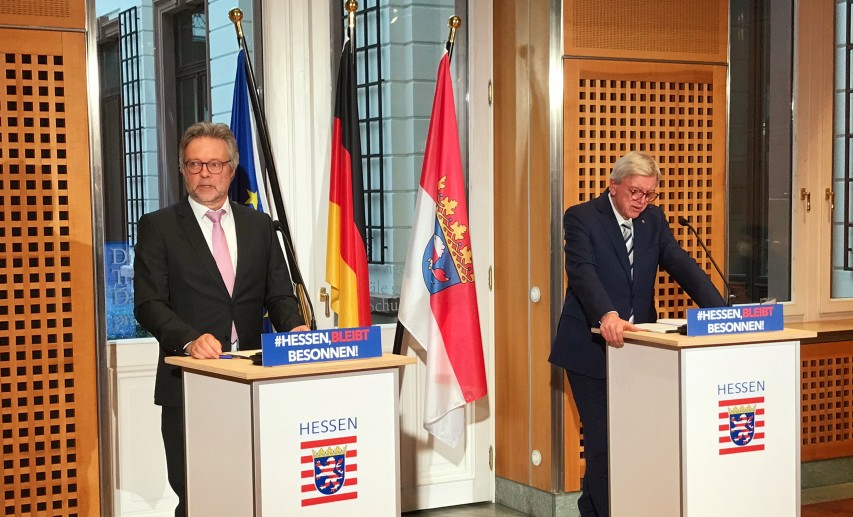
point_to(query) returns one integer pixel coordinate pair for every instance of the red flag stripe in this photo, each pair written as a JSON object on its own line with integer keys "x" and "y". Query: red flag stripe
{"x": 328, "y": 442}
{"x": 741, "y": 402}
{"x": 329, "y": 498}
{"x": 745, "y": 448}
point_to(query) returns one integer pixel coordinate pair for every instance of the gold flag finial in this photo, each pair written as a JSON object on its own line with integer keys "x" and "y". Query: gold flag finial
{"x": 454, "y": 22}
{"x": 351, "y": 7}
{"x": 236, "y": 17}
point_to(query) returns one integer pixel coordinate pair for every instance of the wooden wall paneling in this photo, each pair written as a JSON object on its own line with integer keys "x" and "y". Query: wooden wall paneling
{"x": 539, "y": 246}
{"x": 512, "y": 119}
{"x": 663, "y": 30}
{"x": 826, "y": 393}
{"x": 674, "y": 112}
{"x": 48, "y": 375}
{"x": 55, "y": 14}
{"x": 522, "y": 243}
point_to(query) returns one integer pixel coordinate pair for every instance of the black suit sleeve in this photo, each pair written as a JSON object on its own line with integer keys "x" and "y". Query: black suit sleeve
{"x": 151, "y": 290}
{"x": 684, "y": 270}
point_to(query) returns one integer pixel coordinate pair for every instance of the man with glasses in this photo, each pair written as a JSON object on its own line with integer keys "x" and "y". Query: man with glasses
{"x": 614, "y": 245}
{"x": 204, "y": 271}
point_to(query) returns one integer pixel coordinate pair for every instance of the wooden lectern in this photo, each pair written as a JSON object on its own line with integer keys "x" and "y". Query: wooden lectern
{"x": 705, "y": 426}
{"x": 302, "y": 440}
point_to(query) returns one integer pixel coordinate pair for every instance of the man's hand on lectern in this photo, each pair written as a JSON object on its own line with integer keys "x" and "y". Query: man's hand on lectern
{"x": 612, "y": 329}
{"x": 205, "y": 347}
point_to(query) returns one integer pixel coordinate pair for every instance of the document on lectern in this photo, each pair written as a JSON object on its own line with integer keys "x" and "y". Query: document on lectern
{"x": 662, "y": 326}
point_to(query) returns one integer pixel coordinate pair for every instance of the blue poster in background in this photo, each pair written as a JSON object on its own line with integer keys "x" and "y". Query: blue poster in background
{"x": 118, "y": 286}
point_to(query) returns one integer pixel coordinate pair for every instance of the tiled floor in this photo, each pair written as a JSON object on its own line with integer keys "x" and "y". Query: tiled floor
{"x": 468, "y": 510}
{"x": 836, "y": 508}
{"x": 825, "y": 493}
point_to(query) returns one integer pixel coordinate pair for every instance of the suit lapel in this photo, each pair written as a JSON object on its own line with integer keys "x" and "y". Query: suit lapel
{"x": 241, "y": 227}
{"x": 191, "y": 228}
{"x": 642, "y": 230}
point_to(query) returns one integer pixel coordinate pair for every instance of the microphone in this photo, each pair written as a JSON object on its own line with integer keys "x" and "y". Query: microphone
{"x": 683, "y": 221}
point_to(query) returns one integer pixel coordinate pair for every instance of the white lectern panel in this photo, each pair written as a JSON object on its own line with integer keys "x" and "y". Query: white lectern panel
{"x": 330, "y": 445}
{"x": 740, "y": 423}
{"x": 645, "y": 458}
{"x": 218, "y": 432}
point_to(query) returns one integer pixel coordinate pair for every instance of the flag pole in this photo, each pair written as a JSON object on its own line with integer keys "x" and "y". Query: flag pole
{"x": 305, "y": 307}
{"x": 351, "y": 7}
{"x": 454, "y": 22}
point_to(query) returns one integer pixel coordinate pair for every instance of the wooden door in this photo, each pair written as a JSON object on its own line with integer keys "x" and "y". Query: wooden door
{"x": 48, "y": 338}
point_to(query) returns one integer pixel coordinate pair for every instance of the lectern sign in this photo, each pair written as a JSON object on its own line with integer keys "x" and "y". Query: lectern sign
{"x": 320, "y": 345}
{"x": 734, "y": 320}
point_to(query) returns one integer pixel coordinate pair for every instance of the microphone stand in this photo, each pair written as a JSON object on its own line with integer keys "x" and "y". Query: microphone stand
{"x": 683, "y": 221}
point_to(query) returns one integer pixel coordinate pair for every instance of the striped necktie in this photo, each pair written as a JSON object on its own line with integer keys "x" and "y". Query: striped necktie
{"x": 628, "y": 235}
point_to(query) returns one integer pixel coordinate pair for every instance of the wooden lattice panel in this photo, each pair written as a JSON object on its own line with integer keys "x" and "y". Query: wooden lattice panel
{"x": 672, "y": 112}
{"x": 48, "y": 393}
{"x": 827, "y": 400}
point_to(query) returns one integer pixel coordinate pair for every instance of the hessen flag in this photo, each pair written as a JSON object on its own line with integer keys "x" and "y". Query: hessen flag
{"x": 244, "y": 188}
{"x": 438, "y": 302}
{"x": 346, "y": 251}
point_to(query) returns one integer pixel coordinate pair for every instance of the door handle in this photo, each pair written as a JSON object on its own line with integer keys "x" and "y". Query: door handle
{"x": 326, "y": 299}
{"x": 806, "y": 196}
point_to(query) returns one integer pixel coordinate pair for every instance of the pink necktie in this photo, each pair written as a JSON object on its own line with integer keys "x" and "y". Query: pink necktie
{"x": 222, "y": 257}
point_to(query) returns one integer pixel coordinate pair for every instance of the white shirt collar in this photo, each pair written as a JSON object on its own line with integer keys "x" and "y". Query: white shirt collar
{"x": 619, "y": 218}
{"x": 199, "y": 210}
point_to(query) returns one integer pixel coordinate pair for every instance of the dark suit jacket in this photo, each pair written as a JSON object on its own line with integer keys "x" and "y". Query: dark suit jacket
{"x": 180, "y": 295}
{"x": 599, "y": 278}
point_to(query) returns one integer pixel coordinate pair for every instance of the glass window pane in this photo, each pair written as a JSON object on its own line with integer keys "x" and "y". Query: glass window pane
{"x": 395, "y": 103}
{"x": 842, "y": 228}
{"x": 760, "y": 141}
{"x": 190, "y": 37}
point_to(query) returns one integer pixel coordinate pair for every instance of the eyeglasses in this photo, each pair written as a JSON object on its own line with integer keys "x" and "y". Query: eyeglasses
{"x": 213, "y": 166}
{"x": 637, "y": 194}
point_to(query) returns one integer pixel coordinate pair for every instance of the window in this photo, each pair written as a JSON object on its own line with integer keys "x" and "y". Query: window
{"x": 148, "y": 99}
{"x": 398, "y": 48}
{"x": 191, "y": 67}
{"x": 112, "y": 152}
{"x": 842, "y": 178}
{"x": 760, "y": 143}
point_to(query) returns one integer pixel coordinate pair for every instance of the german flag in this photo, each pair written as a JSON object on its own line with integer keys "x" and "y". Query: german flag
{"x": 346, "y": 252}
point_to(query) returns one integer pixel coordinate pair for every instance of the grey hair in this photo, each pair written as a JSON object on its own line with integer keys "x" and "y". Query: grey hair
{"x": 210, "y": 130}
{"x": 634, "y": 163}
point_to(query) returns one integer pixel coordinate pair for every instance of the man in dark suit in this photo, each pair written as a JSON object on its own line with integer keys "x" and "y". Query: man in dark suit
{"x": 196, "y": 304}
{"x": 614, "y": 245}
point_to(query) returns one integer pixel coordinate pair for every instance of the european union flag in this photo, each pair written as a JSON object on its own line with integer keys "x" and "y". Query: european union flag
{"x": 244, "y": 189}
